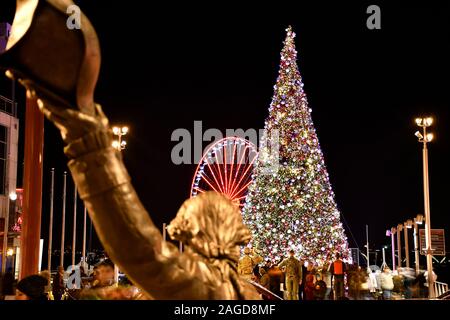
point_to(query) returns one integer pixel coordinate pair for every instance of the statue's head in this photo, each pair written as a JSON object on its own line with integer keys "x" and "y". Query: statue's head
{"x": 211, "y": 225}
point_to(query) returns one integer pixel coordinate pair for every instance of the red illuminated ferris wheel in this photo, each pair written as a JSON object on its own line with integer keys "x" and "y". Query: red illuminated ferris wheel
{"x": 226, "y": 167}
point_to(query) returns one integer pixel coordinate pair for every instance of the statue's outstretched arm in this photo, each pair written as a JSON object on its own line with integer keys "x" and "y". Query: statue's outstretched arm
{"x": 122, "y": 223}
{"x": 60, "y": 71}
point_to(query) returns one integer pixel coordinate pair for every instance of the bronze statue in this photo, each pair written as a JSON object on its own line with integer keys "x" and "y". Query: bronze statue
{"x": 60, "y": 70}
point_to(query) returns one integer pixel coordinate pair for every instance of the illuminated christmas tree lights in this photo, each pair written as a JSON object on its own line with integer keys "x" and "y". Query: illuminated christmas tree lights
{"x": 294, "y": 206}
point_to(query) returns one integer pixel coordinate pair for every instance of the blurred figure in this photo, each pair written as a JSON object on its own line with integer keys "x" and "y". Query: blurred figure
{"x": 94, "y": 276}
{"x": 58, "y": 284}
{"x": 364, "y": 281}
{"x": 377, "y": 277}
{"x": 326, "y": 277}
{"x": 301, "y": 293}
{"x": 419, "y": 285}
{"x": 48, "y": 289}
{"x": 264, "y": 280}
{"x": 32, "y": 288}
{"x": 426, "y": 281}
{"x": 293, "y": 275}
{"x": 357, "y": 282}
{"x": 310, "y": 283}
{"x": 84, "y": 278}
{"x": 408, "y": 281}
{"x": 82, "y": 272}
{"x": 399, "y": 286}
{"x": 103, "y": 274}
{"x": 379, "y": 292}
{"x": 372, "y": 283}
{"x": 247, "y": 263}
{"x": 320, "y": 288}
{"x": 8, "y": 283}
{"x": 387, "y": 283}
{"x": 276, "y": 279}
{"x": 338, "y": 270}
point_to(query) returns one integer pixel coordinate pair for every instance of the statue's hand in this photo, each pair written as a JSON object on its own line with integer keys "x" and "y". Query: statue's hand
{"x": 72, "y": 123}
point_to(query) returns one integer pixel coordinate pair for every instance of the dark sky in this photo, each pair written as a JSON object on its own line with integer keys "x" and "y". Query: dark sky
{"x": 165, "y": 67}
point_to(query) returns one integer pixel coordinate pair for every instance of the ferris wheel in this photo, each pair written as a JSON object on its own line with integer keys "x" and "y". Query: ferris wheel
{"x": 226, "y": 167}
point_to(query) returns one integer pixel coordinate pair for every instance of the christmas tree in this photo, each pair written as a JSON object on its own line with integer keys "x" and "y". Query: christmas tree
{"x": 292, "y": 205}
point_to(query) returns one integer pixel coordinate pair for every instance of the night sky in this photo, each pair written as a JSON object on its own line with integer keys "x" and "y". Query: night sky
{"x": 165, "y": 67}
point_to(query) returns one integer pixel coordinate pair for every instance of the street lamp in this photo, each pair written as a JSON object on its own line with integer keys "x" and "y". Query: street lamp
{"x": 10, "y": 253}
{"x": 408, "y": 225}
{"x": 13, "y": 196}
{"x": 424, "y": 138}
{"x": 418, "y": 220}
{"x": 119, "y": 143}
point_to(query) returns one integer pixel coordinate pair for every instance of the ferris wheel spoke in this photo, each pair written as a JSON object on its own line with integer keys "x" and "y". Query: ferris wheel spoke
{"x": 215, "y": 171}
{"x": 225, "y": 165}
{"x": 242, "y": 189}
{"x": 247, "y": 168}
{"x": 220, "y": 172}
{"x": 245, "y": 173}
{"x": 238, "y": 168}
{"x": 232, "y": 163}
{"x": 210, "y": 184}
{"x": 211, "y": 169}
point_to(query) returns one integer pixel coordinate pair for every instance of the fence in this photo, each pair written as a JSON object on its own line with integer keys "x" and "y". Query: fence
{"x": 440, "y": 288}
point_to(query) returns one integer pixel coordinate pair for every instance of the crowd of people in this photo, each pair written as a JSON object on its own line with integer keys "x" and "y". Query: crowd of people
{"x": 293, "y": 279}
{"x": 290, "y": 279}
{"x": 95, "y": 284}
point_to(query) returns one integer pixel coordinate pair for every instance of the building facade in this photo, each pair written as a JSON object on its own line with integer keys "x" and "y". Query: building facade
{"x": 9, "y": 139}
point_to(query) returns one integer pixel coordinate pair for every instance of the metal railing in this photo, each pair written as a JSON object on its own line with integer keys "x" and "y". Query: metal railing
{"x": 440, "y": 288}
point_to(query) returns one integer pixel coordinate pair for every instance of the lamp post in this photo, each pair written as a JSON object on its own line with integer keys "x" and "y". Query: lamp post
{"x": 384, "y": 264}
{"x": 83, "y": 250}
{"x": 50, "y": 225}
{"x": 74, "y": 232}
{"x": 12, "y": 197}
{"x": 399, "y": 245}
{"x": 392, "y": 233}
{"x": 424, "y": 138}
{"x": 119, "y": 144}
{"x": 63, "y": 223}
{"x": 367, "y": 245}
{"x": 417, "y": 221}
{"x": 408, "y": 225}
